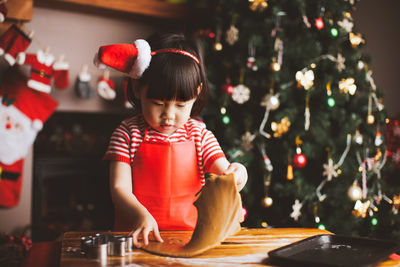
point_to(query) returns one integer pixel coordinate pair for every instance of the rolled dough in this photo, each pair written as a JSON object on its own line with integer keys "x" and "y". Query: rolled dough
{"x": 219, "y": 208}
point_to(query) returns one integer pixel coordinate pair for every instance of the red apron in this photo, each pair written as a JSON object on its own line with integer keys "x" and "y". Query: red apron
{"x": 165, "y": 179}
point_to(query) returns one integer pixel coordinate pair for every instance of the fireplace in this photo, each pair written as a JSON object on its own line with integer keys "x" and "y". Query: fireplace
{"x": 70, "y": 180}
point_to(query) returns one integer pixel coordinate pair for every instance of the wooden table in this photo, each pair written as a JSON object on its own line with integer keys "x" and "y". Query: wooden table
{"x": 249, "y": 248}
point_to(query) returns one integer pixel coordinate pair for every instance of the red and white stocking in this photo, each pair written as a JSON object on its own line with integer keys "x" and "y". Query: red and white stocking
{"x": 12, "y": 42}
{"x": 105, "y": 86}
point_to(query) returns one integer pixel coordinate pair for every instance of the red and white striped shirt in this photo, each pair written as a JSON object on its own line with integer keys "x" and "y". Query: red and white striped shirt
{"x": 130, "y": 133}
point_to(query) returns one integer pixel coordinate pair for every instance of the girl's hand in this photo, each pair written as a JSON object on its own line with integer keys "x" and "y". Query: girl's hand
{"x": 145, "y": 224}
{"x": 240, "y": 173}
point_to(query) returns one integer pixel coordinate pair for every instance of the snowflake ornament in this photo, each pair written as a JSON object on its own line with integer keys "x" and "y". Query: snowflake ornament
{"x": 340, "y": 62}
{"x": 329, "y": 170}
{"x": 346, "y": 24}
{"x": 232, "y": 35}
{"x": 240, "y": 94}
{"x": 296, "y": 213}
{"x": 247, "y": 140}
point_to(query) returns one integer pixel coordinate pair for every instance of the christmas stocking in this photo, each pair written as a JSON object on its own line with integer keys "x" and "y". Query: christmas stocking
{"x": 105, "y": 86}
{"x": 22, "y": 114}
{"x": 61, "y": 74}
{"x": 12, "y": 42}
{"x": 3, "y": 10}
{"x": 82, "y": 86}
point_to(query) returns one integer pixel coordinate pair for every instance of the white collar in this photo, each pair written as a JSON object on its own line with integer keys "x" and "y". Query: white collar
{"x": 45, "y": 58}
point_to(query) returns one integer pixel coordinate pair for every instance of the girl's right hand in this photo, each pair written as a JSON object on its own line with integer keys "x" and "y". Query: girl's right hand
{"x": 145, "y": 224}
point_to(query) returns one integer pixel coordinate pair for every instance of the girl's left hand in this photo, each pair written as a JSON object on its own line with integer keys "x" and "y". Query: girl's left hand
{"x": 239, "y": 172}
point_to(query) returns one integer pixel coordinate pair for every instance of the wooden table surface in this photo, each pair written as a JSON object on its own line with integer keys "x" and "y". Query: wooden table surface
{"x": 249, "y": 248}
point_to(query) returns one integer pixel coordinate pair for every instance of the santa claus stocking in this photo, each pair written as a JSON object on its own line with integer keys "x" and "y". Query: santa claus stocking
{"x": 3, "y": 10}
{"x": 105, "y": 86}
{"x": 12, "y": 42}
{"x": 22, "y": 114}
{"x": 82, "y": 86}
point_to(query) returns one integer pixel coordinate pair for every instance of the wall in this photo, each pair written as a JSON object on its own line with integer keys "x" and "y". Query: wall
{"x": 377, "y": 21}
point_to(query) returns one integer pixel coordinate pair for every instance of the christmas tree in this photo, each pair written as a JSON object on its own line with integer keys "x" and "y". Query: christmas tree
{"x": 293, "y": 98}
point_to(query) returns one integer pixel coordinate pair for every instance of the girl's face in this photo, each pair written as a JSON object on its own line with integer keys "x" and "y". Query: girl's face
{"x": 164, "y": 116}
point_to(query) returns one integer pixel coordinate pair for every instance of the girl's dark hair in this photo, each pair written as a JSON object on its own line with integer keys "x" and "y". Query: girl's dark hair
{"x": 173, "y": 76}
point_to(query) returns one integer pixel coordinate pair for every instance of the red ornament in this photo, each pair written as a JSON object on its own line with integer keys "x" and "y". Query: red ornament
{"x": 227, "y": 88}
{"x": 319, "y": 23}
{"x": 299, "y": 160}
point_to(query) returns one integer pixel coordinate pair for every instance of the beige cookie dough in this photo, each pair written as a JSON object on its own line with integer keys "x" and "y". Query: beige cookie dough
{"x": 219, "y": 209}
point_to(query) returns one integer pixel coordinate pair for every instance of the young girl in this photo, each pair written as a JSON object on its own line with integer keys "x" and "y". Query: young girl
{"x": 159, "y": 157}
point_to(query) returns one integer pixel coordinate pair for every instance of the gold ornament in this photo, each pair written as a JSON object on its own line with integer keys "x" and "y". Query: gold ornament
{"x": 258, "y": 5}
{"x": 360, "y": 208}
{"x": 305, "y": 78}
{"x": 280, "y": 128}
{"x": 356, "y": 39}
{"x": 354, "y": 192}
{"x": 267, "y": 202}
{"x": 289, "y": 174}
{"x": 396, "y": 201}
{"x": 370, "y": 119}
{"x": 347, "y": 86}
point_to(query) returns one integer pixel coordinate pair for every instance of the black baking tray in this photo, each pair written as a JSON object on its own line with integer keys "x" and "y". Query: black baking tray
{"x": 333, "y": 250}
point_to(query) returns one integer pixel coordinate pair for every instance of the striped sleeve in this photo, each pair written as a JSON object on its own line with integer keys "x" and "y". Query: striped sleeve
{"x": 119, "y": 145}
{"x": 211, "y": 148}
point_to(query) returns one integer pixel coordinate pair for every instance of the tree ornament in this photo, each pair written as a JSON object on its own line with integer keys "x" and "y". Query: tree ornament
{"x": 358, "y": 138}
{"x": 319, "y": 23}
{"x": 305, "y": 78}
{"x": 270, "y": 101}
{"x": 360, "y": 208}
{"x": 396, "y": 204}
{"x": 347, "y": 86}
{"x": 356, "y": 39}
{"x": 217, "y": 45}
{"x": 281, "y": 127}
{"x": 259, "y": 5}
{"x": 370, "y": 119}
{"x": 346, "y": 24}
{"x": 354, "y": 192}
{"x": 227, "y": 88}
{"x": 331, "y": 102}
{"x": 232, "y": 35}
{"x": 267, "y": 201}
{"x": 299, "y": 159}
{"x": 374, "y": 221}
{"x": 340, "y": 60}
{"x": 247, "y": 141}
{"x": 275, "y": 66}
{"x": 307, "y": 114}
{"x": 240, "y": 94}
{"x": 329, "y": 170}
{"x": 378, "y": 139}
{"x": 251, "y": 59}
{"x": 296, "y": 213}
{"x": 289, "y": 173}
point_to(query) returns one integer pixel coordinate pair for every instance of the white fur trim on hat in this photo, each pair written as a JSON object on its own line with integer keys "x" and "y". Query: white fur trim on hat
{"x": 1, "y": 51}
{"x": 143, "y": 58}
{"x": 39, "y": 86}
{"x": 37, "y": 124}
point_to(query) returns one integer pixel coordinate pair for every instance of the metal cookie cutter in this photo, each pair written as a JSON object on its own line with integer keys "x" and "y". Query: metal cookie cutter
{"x": 100, "y": 246}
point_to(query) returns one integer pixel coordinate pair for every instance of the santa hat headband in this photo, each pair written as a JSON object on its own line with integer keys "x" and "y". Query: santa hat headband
{"x": 133, "y": 59}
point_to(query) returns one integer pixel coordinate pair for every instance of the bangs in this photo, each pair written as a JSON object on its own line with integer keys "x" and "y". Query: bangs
{"x": 178, "y": 77}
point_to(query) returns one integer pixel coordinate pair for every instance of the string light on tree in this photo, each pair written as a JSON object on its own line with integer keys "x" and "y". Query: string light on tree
{"x": 330, "y": 100}
{"x": 334, "y": 32}
{"x": 267, "y": 201}
{"x": 226, "y": 119}
{"x": 358, "y": 138}
{"x": 319, "y": 23}
{"x": 378, "y": 139}
{"x": 258, "y": 5}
